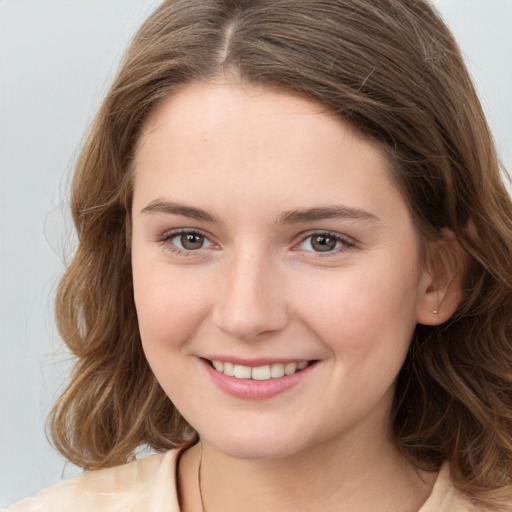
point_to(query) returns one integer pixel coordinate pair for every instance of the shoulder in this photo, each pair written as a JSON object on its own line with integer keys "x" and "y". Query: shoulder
{"x": 147, "y": 484}
{"x": 446, "y": 497}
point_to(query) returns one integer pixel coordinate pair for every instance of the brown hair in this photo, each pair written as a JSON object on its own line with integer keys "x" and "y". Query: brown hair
{"x": 393, "y": 71}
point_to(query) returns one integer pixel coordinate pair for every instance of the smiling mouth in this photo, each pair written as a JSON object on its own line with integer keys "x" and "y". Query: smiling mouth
{"x": 266, "y": 372}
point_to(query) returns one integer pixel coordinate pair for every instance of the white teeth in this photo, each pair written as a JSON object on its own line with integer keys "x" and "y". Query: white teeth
{"x": 218, "y": 365}
{"x": 274, "y": 371}
{"x": 261, "y": 373}
{"x": 290, "y": 368}
{"x": 277, "y": 371}
{"x": 242, "y": 372}
{"x": 229, "y": 369}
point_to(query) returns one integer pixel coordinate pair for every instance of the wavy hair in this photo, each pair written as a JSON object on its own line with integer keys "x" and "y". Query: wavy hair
{"x": 392, "y": 70}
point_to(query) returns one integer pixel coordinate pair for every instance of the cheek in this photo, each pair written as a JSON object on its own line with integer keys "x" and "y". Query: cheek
{"x": 169, "y": 307}
{"x": 368, "y": 334}
{"x": 363, "y": 313}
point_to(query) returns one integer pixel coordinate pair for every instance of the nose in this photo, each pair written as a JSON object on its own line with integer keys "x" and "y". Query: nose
{"x": 251, "y": 301}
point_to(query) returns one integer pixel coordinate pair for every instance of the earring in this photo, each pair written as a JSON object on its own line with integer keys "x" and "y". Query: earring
{"x": 435, "y": 311}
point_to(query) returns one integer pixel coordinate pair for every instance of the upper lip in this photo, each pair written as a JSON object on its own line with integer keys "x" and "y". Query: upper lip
{"x": 254, "y": 363}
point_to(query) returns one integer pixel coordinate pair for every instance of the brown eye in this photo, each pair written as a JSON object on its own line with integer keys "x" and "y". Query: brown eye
{"x": 326, "y": 242}
{"x": 191, "y": 241}
{"x": 323, "y": 243}
{"x": 184, "y": 242}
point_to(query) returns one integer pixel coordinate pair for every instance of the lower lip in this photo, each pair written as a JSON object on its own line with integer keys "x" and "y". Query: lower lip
{"x": 250, "y": 389}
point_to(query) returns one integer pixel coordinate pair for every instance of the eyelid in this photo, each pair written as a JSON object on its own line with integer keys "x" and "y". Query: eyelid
{"x": 167, "y": 236}
{"x": 349, "y": 242}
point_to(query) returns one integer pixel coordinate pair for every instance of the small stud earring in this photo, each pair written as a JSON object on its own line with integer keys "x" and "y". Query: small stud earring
{"x": 435, "y": 311}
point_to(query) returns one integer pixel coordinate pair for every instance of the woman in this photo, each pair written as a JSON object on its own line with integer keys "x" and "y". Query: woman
{"x": 293, "y": 275}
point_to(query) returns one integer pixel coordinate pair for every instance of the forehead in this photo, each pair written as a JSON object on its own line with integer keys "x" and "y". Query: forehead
{"x": 209, "y": 107}
{"x": 243, "y": 140}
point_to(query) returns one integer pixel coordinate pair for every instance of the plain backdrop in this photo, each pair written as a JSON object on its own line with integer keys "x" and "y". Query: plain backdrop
{"x": 57, "y": 58}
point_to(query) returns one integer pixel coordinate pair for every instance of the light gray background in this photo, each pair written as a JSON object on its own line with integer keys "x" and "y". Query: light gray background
{"x": 56, "y": 60}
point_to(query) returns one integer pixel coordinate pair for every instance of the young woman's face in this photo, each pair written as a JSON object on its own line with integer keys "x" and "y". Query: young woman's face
{"x": 270, "y": 242}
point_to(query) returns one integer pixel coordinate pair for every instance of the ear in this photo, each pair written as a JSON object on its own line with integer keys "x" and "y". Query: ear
{"x": 441, "y": 285}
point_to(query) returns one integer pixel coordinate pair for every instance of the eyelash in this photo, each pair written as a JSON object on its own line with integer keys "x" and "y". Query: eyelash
{"x": 347, "y": 243}
{"x": 166, "y": 240}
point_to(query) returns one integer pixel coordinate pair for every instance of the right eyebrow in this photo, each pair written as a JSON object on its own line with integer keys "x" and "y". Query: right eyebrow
{"x": 172, "y": 208}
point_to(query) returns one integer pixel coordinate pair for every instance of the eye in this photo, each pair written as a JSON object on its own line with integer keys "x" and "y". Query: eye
{"x": 189, "y": 241}
{"x": 325, "y": 242}
{"x": 186, "y": 241}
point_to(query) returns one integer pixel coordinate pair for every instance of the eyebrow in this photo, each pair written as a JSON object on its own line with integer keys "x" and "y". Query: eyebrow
{"x": 290, "y": 217}
{"x": 325, "y": 212}
{"x": 171, "y": 208}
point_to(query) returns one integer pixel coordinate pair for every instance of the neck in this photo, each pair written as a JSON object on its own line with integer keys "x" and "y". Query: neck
{"x": 327, "y": 479}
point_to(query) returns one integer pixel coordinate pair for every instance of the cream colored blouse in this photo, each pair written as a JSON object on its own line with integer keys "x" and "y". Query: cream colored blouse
{"x": 149, "y": 485}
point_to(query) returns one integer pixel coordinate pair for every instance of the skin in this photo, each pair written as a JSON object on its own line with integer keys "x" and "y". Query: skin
{"x": 258, "y": 289}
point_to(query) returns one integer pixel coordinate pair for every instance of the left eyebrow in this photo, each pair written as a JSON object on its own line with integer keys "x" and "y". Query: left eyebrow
{"x": 325, "y": 212}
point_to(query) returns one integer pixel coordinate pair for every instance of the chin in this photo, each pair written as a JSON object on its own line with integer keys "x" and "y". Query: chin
{"x": 262, "y": 445}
